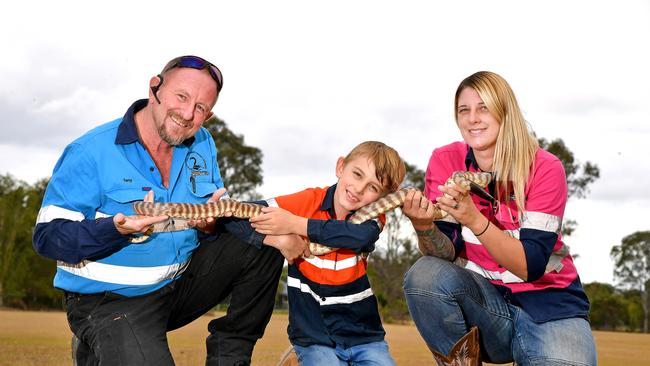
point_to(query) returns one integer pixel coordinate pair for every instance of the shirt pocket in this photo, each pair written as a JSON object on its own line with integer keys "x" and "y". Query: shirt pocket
{"x": 201, "y": 191}
{"x": 121, "y": 201}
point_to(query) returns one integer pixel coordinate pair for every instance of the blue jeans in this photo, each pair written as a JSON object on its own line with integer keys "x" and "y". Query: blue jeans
{"x": 446, "y": 300}
{"x": 369, "y": 354}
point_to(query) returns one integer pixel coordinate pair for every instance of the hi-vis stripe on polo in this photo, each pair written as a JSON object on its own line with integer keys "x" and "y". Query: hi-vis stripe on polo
{"x": 332, "y": 300}
{"x": 123, "y": 275}
{"x": 541, "y": 221}
{"x": 51, "y": 212}
{"x": 332, "y": 264}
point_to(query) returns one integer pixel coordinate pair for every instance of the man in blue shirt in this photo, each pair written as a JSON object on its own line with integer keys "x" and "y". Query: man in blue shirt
{"x": 121, "y": 298}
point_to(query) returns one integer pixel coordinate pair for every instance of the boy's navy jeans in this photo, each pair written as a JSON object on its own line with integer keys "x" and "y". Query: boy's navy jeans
{"x": 115, "y": 330}
{"x": 446, "y": 300}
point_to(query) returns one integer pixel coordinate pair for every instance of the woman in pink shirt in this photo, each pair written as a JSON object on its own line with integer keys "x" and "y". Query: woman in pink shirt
{"x": 497, "y": 264}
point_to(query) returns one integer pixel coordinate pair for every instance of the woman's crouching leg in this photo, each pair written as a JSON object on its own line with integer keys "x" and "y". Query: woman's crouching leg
{"x": 445, "y": 301}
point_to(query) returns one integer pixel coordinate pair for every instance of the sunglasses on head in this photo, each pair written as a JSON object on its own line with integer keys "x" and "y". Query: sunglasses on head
{"x": 195, "y": 62}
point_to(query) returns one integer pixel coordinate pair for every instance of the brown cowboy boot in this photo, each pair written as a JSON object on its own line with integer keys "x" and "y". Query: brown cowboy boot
{"x": 466, "y": 352}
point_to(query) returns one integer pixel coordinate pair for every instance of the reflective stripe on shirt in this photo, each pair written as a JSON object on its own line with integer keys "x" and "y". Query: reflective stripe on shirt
{"x": 134, "y": 276}
{"x": 49, "y": 213}
{"x": 332, "y": 300}
{"x": 541, "y": 221}
{"x": 99, "y": 215}
{"x": 554, "y": 264}
{"x": 505, "y": 277}
{"x": 333, "y": 265}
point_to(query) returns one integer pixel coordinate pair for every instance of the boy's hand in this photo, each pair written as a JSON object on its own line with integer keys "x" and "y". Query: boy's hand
{"x": 277, "y": 221}
{"x": 207, "y": 225}
{"x": 418, "y": 209}
{"x": 291, "y": 246}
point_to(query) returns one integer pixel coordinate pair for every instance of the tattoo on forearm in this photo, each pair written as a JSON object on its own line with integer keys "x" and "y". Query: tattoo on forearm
{"x": 434, "y": 243}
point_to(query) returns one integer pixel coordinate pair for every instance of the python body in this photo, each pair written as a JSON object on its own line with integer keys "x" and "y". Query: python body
{"x": 182, "y": 212}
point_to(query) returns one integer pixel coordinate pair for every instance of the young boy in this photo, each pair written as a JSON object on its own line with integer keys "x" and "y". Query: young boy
{"x": 333, "y": 314}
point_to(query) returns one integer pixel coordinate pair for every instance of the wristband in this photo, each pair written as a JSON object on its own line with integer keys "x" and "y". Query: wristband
{"x": 484, "y": 230}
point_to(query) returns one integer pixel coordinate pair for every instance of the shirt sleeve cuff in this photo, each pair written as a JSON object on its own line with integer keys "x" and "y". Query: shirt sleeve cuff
{"x": 314, "y": 229}
{"x": 106, "y": 231}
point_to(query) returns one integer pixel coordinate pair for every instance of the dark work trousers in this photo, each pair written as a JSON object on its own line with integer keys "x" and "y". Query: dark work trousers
{"x": 111, "y": 329}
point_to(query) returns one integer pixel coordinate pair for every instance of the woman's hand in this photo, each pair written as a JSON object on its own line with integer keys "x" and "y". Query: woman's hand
{"x": 421, "y": 212}
{"x": 460, "y": 206}
{"x": 418, "y": 209}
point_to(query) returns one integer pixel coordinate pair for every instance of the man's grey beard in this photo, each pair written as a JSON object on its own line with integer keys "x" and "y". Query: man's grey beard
{"x": 168, "y": 139}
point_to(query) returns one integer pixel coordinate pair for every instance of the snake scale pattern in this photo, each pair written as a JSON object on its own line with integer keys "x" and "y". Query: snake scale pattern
{"x": 188, "y": 211}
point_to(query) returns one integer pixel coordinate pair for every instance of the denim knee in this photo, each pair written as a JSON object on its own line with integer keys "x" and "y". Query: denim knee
{"x": 432, "y": 275}
{"x": 557, "y": 342}
{"x": 318, "y": 355}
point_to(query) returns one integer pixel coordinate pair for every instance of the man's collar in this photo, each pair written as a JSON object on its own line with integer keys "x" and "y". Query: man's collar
{"x": 127, "y": 132}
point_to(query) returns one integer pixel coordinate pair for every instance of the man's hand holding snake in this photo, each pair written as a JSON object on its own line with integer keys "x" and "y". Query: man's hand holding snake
{"x": 128, "y": 225}
{"x": 207, "y": 224}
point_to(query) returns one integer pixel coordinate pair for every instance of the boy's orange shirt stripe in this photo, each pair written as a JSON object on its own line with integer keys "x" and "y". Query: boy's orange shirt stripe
{"x": 306, "y": 204}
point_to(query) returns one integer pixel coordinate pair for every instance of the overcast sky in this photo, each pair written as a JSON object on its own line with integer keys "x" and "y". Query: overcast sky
{"x": 306, "y": 81}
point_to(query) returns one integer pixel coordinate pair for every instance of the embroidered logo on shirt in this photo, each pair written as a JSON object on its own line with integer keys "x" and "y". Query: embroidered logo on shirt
{"x": 195, "y": 163}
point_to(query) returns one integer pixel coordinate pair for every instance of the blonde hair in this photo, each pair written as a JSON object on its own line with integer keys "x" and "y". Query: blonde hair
{"x": 389, "y": 166}
{"x": 516, "y": 146}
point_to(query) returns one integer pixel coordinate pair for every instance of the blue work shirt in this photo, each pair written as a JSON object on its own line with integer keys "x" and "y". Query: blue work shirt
{"x": 101, "y": 174}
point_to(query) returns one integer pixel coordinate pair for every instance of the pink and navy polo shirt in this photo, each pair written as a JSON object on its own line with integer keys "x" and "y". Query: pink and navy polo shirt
{"x": 553, "y": 289}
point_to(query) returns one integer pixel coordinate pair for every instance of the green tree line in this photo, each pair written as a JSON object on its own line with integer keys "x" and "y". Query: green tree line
{"x": 26, "y": 278}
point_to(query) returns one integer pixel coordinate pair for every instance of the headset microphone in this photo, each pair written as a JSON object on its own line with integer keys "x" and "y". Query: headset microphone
{"x": 154, "y": 89}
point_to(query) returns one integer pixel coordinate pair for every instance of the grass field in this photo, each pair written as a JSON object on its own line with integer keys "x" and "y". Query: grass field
{"x": 43, "y": 338}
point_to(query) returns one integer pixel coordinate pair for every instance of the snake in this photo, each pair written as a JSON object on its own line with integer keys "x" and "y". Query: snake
{"x": 475, "y": 181}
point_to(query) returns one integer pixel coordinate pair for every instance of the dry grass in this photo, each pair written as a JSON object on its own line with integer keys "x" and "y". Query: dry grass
{"x": 43, "y": 338}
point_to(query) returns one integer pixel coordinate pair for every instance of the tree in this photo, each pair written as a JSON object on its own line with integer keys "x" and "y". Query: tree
{"x": 12, "y": 212}
{"x": 608, "y": 307}
{"x": 19, "y": 204}
{"x": 240, "y": 164}
{"x": 579, "y": 176}
{"x": 633, "y": 306}
{"x": 35, "y": 280}
{"x": 395, "y": 256}
{"x": 632, "y": 267}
